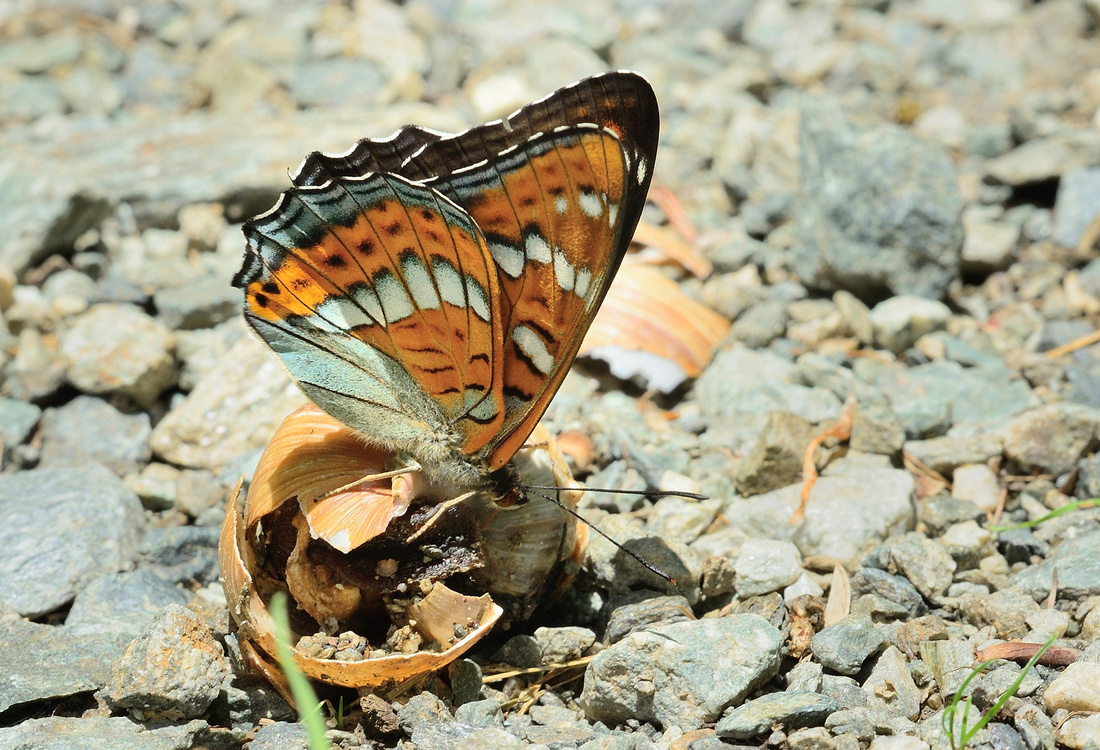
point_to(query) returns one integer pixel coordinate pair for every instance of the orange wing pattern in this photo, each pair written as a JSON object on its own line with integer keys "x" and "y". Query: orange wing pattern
{"x": 457, "y": 273}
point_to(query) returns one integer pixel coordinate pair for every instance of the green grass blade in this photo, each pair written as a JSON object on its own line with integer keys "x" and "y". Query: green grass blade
{"x": 1067, "y": 508}
{"x": 309, "y": 710}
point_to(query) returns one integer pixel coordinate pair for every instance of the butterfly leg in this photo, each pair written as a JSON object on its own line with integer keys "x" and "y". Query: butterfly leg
{"x": 409, "y": 468}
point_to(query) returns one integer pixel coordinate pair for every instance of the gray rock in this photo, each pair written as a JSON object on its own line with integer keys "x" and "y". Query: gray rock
{"x": 760, "y": 325}
{"x": 1034, "y": 726}
{"x": 202, "y": 303}
{"x": 846, "y": 645}
{"x": 520, "y": 651}
{"x": 97, "y": 732}
{"x": 182, "y": 554}
{"x": 81, "y": 172}
{"x": 890, "y": 685}
{"x": 923, "y": 561}
{"x": 989, "y": 246}
{"x": 791, "y": 710}
{"x": 879, "y": 210}
{"x": 1051, "y": 439}
{"x": 739, "y": 381}
{"x": 174, "y": 670}
{"x": 765, "y": 565}
{"x": 684, "y": 674}
{"x": 234, "y": 409}
{"x": 682, "y": 519}
{"x": 951, "y": 662}
{"x": 1078, "y": 569}
{"x": 617, "y": 571}
{"x": 122, "y": 603}
{"x": 1076, "y": 206}
{"x": 899, "y": 321}
{"x": 482, "y": 713}
{"x": 1047, "y": 158}
{"x": 59, "y": 529}
{"x": 559, "y": 645}
{"x": 281, "y": 735}
{"x": 118, "y": 349}
{"x": 876, "y": 429}
{"x": 466, "y": 682}
{"x": 776, "y": 457}
{"x": 88, "y": 429}
{"x": 328, "y": 83}
{"x": 848, "y": 511}
{"x": 42, "y": 662}
{"x": 939, "y": 512}
{"x": 976, "y": 395}
{"x": 818, "y": 370}
{"x": 945, "y": 454}
{"x": 17, "y": 419}
{"x": 632, "y": 616}
{"x": 897, "y": 589}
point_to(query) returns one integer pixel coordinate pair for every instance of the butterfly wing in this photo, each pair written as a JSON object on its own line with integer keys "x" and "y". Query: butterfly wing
{"x": 378, "y": 294}
{"x": 557, "y": 190}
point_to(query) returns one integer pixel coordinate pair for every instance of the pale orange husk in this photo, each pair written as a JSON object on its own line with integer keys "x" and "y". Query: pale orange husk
{"x": 646, "y": 311}
{"x": 530, "y": 550}
{"x": 447, "y": 613}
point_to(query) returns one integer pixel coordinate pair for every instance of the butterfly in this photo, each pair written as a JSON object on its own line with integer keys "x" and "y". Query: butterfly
{"x": 431, "y": 291}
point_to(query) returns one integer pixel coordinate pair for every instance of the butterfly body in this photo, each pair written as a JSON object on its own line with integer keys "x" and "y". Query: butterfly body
{"x": 431, "y": 291}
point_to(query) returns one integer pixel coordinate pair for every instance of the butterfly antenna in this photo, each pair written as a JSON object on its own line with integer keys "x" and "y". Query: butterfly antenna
{"x": 641, "y": 561}
{"x": 645, "y": 493}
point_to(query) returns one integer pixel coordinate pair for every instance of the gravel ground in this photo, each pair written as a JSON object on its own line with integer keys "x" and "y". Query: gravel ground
{"x": 899, "y": 202}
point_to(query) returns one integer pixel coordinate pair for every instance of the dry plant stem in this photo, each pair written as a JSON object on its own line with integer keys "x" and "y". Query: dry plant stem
{"x": 840, "y": 597}
{"x": 841, "y": 430}
{"x": 673, "y": 209}
{"x": 501, "y": 676}
{"x": 1078, "y": 343}
{"x": 669, "y": 243}
{"x": 1053, "y": 596}
{"x": 929, "y": 481}
{"x": 1019, "y": 651}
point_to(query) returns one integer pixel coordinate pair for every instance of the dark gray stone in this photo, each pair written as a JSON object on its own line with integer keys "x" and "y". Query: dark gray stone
{"x": 878, "y": 211}
{"x": 202, "y": 303}
{"x": 776, "y": 457}
{"x": 42, "y": 662}
{"x": 642, "y": 609}
{"x": 846, "y": 645}
{"x": 181, "y": 554}
{"x": 98, "y": 732}
{"x": 791, "y": 710}
{"x": 923, "y": 561}
{"x": 1078, "y": 568}
{"x": 684, "y": 674}
{"x": 122, "y": 603}
{"x": 890, "y": 587}
{"x": 281, "y": 735}
{"x": 59, "y": 529}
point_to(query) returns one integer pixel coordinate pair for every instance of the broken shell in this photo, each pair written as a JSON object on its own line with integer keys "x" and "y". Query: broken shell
{"x": 647, "y": 326}
{"x": 422, "y": 571}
